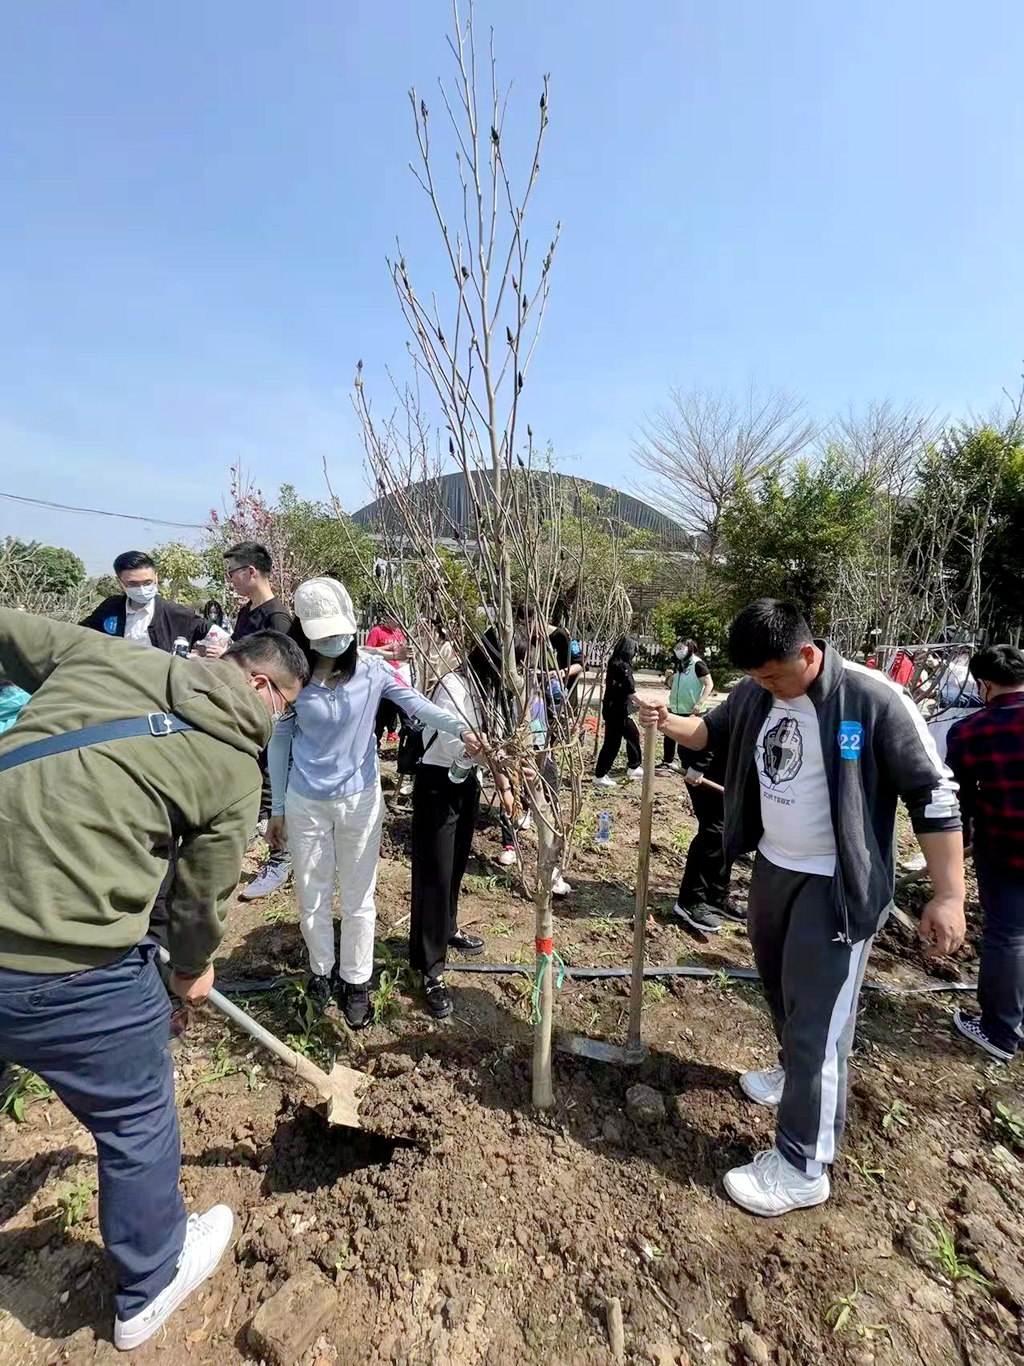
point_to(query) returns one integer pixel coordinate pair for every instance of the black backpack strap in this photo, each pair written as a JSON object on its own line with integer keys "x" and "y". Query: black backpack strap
{"x": 157, "y": 723}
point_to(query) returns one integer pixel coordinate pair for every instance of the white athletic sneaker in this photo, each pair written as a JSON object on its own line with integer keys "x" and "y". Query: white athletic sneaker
{"x": 605, "y": 782}
{"x": 272, "y": 876}
{"x": 770, "y": 1186}
{"x": 765, "y": 1087}
{"x": 405, "y": 787}
{"x": 206, "y": 1237}
{"x": 634, "y": 773}
{"x": 560, "y": 887}
{"x": 507, "y": 857}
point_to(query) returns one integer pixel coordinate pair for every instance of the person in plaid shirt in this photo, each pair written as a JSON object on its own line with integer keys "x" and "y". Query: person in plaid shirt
{"x": 986, "y": 754}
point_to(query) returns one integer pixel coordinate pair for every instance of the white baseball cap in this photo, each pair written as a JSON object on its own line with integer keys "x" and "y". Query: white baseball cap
{"x": 324, "y": 608}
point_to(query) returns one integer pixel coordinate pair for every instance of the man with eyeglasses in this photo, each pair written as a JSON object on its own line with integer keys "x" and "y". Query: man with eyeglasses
{"x": 249, "y": 567}
{"x": 139, "y": 745}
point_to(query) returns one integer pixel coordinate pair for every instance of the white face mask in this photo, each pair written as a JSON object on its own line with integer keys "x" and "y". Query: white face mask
{"x": 141, "y": 593}
{"x": 682, "y": 653}
{"x": 331, "y": 647}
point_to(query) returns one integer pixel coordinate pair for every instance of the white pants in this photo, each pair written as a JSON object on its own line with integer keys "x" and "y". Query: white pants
{"x": 337, "y": 844}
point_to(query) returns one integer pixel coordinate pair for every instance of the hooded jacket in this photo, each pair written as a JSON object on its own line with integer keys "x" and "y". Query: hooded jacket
{"x": 876, "y": 749}
{"x": 80, "y": 832}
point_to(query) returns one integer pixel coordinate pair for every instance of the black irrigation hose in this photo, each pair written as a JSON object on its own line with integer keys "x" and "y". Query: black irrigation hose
{"x": 255, "y": 986}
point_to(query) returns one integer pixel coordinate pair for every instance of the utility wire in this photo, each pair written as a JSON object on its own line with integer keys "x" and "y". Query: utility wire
{"x": 99, "y": 512}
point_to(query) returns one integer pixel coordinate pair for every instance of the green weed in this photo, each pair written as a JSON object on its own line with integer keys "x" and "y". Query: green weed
{"x": 722, "y": 980}
{"x": 222, "y": 1065}
{"x": 896, "y": 1114}
{"x": 681, "y": 838}
{"x": 73, "y": 1203}
{"x": 951, "y": 1264}
{"x": 872, "y": 1176}
{"x": 314, "y": 1038}
{"x": 1008, "y": 1124}
{"x": 502, "y": 929}
{"x": 654, "y": 993}
{"x": 277, "y": 915}
{"x": 479, "y": 882}
{"x": 842, "y": 1317}
{"x": 386, "y": 1003}
{"x": 25, "y": 1087}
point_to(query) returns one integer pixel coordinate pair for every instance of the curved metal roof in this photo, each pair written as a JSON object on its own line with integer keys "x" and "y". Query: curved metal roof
{"x": 448, "y": 502}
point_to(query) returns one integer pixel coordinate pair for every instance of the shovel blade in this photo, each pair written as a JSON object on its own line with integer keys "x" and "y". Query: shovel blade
{"x": 599, "y": 1051}
{"x": 341, "y": 1090}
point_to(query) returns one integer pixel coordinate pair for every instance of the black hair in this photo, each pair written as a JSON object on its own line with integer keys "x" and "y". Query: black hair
{"x": 247, "y": 554}
{"x": 999, "y": 664}
{"x": 274, "y": 650}
{"x": 214, "y": 614}
{"x": 766, "y": 632}
{"x": 484, "y": 659}
{"x": 344, "y": 665}
{"x": 624, "y": 648}
{"x": 132, "y": 559}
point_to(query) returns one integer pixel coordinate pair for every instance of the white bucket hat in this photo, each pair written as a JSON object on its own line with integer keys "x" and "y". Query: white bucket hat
{"x": 324, "y": 608}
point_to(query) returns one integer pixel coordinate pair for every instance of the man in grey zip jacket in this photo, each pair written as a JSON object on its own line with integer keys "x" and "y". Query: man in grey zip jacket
{"x": 819, "y": 752}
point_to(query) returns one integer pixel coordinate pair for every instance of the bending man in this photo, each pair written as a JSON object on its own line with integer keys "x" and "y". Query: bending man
{"x": 117, "y": 747}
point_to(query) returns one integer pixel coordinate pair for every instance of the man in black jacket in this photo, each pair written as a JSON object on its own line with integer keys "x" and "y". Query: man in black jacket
{"x": 819, "y": 750}
{"x": 139, "y": 613}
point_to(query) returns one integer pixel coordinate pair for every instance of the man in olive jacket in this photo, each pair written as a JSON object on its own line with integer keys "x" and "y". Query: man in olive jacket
{"x": 117, "y": 747}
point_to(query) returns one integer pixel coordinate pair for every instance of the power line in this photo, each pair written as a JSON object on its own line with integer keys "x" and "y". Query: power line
{"x": 99, "y": 512}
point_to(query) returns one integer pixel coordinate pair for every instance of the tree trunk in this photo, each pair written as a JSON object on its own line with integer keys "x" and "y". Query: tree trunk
{"x": 544, "y": 986}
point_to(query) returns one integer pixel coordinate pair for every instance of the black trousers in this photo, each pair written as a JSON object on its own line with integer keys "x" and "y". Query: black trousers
{"x": 618, "y": 727}
{"x": 387, "y": 719}
{"x": 443, "y": 820}
{"x": 707, "y": 871}
{"x": 1001, "y": 970}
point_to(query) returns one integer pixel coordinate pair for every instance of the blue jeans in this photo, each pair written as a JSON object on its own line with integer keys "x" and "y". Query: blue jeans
{"x": 1001, "y": 970}
{"x": 100, "y": 1039}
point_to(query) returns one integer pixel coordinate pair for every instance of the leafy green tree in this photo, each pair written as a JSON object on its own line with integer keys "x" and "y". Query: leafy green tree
{"x": 789, "y": 534}
{"x": 182, "y": 571}
{"x": 688, "y": 617}
{"x": 52, "y": 568}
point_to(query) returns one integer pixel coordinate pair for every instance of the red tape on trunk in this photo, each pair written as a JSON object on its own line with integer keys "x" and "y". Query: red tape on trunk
{"x": 545, "y": 947}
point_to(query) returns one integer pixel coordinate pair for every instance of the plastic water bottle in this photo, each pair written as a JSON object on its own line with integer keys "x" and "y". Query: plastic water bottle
{"x": 460, "y": 768}
{"x": 180, "y": 648}
{"x": 604, "y": 828}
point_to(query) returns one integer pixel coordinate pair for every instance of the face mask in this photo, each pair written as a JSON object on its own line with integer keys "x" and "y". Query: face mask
{"x": 286, "y": 709}
{"x": 682, "y": 654}
{"x": 141, "y": 593}
{"x": 332, "y": 646}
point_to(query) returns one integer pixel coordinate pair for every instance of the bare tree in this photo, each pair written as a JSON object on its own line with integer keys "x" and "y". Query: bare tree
{"x": 22, "y": 584}
{"x": 699, "y": 449}
{"x": 471, "y": 356}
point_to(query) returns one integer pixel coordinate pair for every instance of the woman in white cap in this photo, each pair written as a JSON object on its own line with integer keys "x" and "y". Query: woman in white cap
{"x": 325, "y": 780}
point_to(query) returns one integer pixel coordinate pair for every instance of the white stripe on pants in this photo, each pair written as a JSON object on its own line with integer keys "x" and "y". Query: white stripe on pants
{"x": 337, "y": 844}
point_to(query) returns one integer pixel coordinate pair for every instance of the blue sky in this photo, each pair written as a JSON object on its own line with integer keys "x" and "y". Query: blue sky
{"x": 197, "y": 200}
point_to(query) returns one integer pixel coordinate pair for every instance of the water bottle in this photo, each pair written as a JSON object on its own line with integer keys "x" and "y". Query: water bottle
{"x": 461, "y": 767}
{"x": 180, "y": 648}
{"x": 604, "y": 828}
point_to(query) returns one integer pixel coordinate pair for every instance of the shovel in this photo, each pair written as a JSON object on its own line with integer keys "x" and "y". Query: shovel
{"x": 340, "y": 1089}
{"x": 634, "y": 1051}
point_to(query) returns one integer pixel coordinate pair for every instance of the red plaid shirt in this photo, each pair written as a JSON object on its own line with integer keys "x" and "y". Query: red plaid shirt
{"x": 986, "y": 754}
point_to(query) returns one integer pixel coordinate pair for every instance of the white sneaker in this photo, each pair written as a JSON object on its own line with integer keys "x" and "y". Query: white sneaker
{"x": 770, "y": 1186}
{"x": 634, "y": 773}
{"x": 405, "y": 787}
{"x": 765, "y": 1087}
{"x": 524, "y": 822}
{"x": 206, "y": 1237}
{"x": 273, "y": 875}
{"x": 605, "y": 782}
{"x": 507, "y": 857}
{"x": 560, "y": 887}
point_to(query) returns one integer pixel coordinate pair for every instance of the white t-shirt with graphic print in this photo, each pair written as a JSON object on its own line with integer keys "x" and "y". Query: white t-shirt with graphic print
{"x": 795, "y": 809}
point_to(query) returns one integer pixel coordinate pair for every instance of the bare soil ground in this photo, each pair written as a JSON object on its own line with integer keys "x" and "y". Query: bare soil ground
{"x": 467, "y": 1229}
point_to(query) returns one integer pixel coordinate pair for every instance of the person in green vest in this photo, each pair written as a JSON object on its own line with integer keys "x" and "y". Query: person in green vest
{"x": 690, "y": 684}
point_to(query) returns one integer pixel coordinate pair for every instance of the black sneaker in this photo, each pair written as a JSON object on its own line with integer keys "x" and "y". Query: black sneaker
{"x": 467, "y": 944}
{"x": 319, "y": 989}
{"x": 970, "y": 1027}
{"x": 354, "y": 1000}
{"x": 731, "y": 911}
{"x": 439, "y": 998}
{"x": 699, "y": 918}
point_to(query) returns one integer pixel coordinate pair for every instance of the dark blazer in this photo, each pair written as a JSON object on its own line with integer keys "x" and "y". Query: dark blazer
{"x": 170, "y": 620}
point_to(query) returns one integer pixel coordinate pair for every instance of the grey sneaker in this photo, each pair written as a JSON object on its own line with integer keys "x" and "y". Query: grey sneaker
{"x": 700, "y": 917}
{"x": 271, "y": 877}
